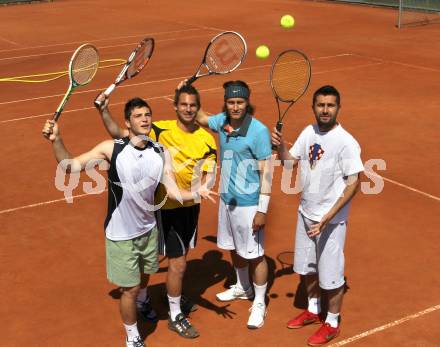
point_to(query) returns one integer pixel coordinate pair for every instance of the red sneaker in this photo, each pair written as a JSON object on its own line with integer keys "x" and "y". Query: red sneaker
{"x": 305, "y": 318}
{"x": 324, "y": 334}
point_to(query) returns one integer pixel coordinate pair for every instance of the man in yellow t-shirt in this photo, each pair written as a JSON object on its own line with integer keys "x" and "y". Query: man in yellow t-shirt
{"x": 193, "y": 151}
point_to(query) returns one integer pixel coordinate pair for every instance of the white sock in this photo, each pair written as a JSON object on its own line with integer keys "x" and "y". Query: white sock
{"x": 260, "y": 293}
{"x": 174, "y": 306}
{"x": 243, "y": 277}
{"x": 332, "y": 319}
{"x": 314, "y": 305}
{"x": 142, "y": 296}
{"x": 132, "y": 331}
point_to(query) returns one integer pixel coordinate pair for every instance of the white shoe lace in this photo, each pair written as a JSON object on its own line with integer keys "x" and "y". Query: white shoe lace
{"x": 258, "y": 306}
{"x": 236, "y": 289}
{"x": 257, "y": 310}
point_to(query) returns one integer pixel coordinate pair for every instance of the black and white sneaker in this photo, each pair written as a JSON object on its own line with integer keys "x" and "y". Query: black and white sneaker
{"x": 146, "y": 311}
{"x": 136, "y": 342}
{"x": 183, "y": 327}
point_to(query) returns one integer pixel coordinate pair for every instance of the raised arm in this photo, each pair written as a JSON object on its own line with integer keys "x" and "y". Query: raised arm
{"x": 110, "y": 125}
{"x": 282, "y": 150}
{"x": 202, "y": 118}
{"x": 70, "y": 164}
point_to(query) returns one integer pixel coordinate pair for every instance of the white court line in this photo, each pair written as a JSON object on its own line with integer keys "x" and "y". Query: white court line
{"x": 45, "y": 203}
{"x": 79, "y": 109}
{"x": 405, "y": 186}
{"x": 102, "y": 47}
{"x": 346, "y": 68}
{"x": 385, "y": 326}
{"x": 398, "y": 63}
{"x": 92, "y": 90}
{"x": 168, "y": 97}
{"x": 9, "y": 41}
{"x": 149, "y": 98}
{"x": 312, "y": 59}
{"x": 106, "y": 39}
{"x": 155, "y": 81}
{"x": 201, "y": 26}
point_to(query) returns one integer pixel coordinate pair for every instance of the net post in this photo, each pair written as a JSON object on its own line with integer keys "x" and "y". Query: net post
{"x": 399, "y": 15}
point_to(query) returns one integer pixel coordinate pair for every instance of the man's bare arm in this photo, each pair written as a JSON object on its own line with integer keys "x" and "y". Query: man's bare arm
{"x": 110, "y": 125}
{"x": 69, "y": 163}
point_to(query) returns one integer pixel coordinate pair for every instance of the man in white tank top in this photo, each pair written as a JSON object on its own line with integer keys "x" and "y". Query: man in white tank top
{"x": 136, "y": 166}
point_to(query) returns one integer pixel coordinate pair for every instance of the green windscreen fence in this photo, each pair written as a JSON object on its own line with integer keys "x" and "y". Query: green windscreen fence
{"x": 12, "y": 2}
{"x": 417, "y": 12}
{"x": 394, "y": 3}
{"x": 408, "y": 12}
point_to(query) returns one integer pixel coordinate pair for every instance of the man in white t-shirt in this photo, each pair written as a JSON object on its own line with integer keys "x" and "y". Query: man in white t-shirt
{"x": 329, "y": 163}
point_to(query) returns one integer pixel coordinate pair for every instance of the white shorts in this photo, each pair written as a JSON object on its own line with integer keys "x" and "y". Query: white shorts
{"x": 235, "y": 231}
{"x": 323, "y": 254}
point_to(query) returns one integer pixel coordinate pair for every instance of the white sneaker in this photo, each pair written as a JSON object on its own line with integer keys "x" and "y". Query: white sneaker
{"x": 235, "y": 292}
{"x": 136, "y": 342}
{"x": 258, "y": 313}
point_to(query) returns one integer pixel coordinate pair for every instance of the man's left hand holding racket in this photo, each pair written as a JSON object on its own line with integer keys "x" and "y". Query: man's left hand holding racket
{"x": 137, "y": 60}
{"x": 82, "y": 68}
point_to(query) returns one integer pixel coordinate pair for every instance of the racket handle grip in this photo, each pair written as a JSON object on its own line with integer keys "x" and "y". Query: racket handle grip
{"x": 56, "y": 115}
{"x": 191, "y": 80}
{"x": 97, "y": 103}
{"x": 279, "y": 127}
{"x": 107, "y": 92}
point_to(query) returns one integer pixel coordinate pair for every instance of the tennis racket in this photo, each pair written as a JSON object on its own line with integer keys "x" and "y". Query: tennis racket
{"x": 286, "y": 261}
{"x": 289, "y": 79}
{"x": 224, "y": 53}
{"x": 82, "y": 68}
{"x": 135, "y": 63}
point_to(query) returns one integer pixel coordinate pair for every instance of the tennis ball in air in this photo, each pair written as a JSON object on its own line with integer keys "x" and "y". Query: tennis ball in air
{"x": 287, "y": 21}
{"x": 262, "y": 52}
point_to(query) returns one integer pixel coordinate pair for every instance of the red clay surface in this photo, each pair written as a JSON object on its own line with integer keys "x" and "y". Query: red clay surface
{"x": 54, "y": 290}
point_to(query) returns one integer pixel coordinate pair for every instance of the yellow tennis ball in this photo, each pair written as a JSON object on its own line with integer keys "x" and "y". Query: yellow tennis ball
{"x": 287, "y": 21}
{"x": 262, "y": 52}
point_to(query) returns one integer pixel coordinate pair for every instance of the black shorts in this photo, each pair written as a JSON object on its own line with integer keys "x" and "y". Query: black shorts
{"x": 178, "y": 230}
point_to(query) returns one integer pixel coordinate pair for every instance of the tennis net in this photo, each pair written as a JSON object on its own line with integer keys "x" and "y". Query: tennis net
{"x": 418, "y": 12}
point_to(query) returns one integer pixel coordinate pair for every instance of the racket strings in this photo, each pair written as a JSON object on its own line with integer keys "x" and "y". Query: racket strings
{"x": 291, "y": 76}
{"x": 85, "y": 64}
{"x": 225, "y": 53}
{"x": 140, "y": 58}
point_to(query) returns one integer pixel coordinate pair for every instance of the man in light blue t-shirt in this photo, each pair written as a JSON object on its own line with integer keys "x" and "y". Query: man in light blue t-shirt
{"x": 244, "y": 152}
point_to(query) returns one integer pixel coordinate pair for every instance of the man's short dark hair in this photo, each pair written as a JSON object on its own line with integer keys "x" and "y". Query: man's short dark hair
{"x": 187, "y": 89}
{"x": 327, "y": 90}
{"x": 134, "y": 103}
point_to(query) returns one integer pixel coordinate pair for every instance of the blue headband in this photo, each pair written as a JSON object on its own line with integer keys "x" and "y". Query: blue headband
{"x": 236, "y": 91}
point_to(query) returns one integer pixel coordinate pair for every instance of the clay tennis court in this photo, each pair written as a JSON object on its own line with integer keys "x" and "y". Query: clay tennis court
{"x": 54, "y": 290}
